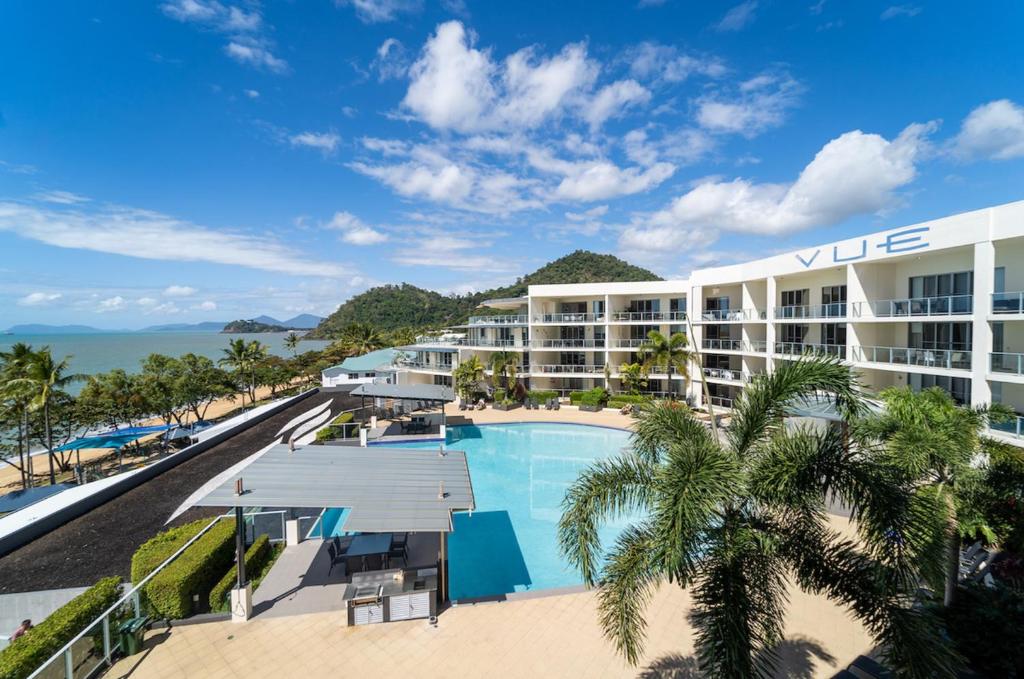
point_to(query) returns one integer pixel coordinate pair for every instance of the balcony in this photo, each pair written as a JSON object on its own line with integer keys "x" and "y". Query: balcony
{"x": 803, "y": 349}
{"x": 1007, "y": 364}
{"x": 514, "y": 319}
{"x": 546, "y": 369}
{"x": 425, "y": 365}
{"x": 910, "y": 307}
{"x": 751, "y": 347}
{"x": 631, "y": 343}
{"x": 1014, "y": 428}
{"x": 647, "y": 316}
{"x": 950, "y": 359}
{"x": 569, "y": 318}
{"x": 721, "y": 402}
{"x": 726, "y": 375}
{"x": 567, "y": 344}
{"x": 732, "y": 315}
{"x": 1008, "y": 303}
{"x": 494, "y": 343}
{"x": 810, "y": 312}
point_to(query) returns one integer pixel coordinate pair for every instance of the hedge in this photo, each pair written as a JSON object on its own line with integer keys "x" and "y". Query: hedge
{"x": 542, "y": 394}
{"x": 631, "y": 398}
{"x": 595, "y": 396}
{"x": 159, "y": 548}
{"x": 27, "y": 653}
{"x": 195, "y": 572}
{"x": 255, "y": 558}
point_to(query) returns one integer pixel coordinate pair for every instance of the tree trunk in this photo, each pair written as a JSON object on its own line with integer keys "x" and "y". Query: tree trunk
{"x": 49, "y": 441}
{"x": 952, "y": 565}
{"x": 21, "y": 457}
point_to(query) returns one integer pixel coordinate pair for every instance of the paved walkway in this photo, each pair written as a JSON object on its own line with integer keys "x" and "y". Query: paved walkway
{"x": 555, "y": 636}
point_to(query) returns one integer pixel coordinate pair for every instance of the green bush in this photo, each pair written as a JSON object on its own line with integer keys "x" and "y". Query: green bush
{"x": 987, "y": 628}
{"x": 195, "y": 572}
{"x": 331, "y": 432}
{"x": 500, "y": 395}
{"x": 595, "y": 396}
{"x": 630, "y": 398}
{"x": 255, "y": 558}
{"x": 542, "y": 395}
{"x": 159, "y": 548}
{"x": 26, "y": 654}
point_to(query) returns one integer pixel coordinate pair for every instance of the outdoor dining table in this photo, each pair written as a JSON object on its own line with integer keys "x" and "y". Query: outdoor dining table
{"x": 369, "y": 545}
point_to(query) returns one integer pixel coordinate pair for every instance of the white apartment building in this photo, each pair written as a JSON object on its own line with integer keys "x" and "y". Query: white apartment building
{"x": 940, "y": 303}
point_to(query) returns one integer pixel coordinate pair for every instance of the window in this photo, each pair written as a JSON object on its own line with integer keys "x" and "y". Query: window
{"x": 598, "y": 306}
{"x": 574, "y": 307}
{"x": 641, "y": 331}
{"x": 998, "y": 334}
{"x": 716, "y": 304}
{"x": 1000, "y": 280}
{"x": 957, "y": 387}
{"x": 794, "y": 333}
{"x": 942, "y": 285}
{"x": 834, "y": 333}
{"x": 572, "y": 333}
{"x": 573, "y": 358}
{"x": 677, "y": 304}
{"x": 833, "y": 299}
{"x": 940, "y": 336}
{"x": 504, "y": 334}
{"x": 796, "y": 297}
{"x": 645, "y": 305}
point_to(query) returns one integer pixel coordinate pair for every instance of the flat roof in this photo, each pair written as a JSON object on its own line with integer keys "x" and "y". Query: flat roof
{"x": 386, "y": 489}
{"x": 409, "y": 392}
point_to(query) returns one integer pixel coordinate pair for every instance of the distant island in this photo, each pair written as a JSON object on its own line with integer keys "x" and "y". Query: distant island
{"x": 259, "y": 324}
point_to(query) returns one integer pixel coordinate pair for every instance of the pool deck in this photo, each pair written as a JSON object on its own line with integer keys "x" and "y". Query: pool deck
{"x": 608, "y": 417}
{"x": 552, "y": 636}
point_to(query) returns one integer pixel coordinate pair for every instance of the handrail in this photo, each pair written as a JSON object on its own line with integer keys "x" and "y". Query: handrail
{"x": 567, "y": 368}
{"x": 723, "y": 345}
{"x": 424, "y": 365}
{"x": 568, "y": 343}
{"x": 131, "y": 594}
{"x": 1007, "y": 302}
{"x": 627, "y": 343}
{"x": 1001, "y": 362}
{"x": 948, "y": 305}
{"x": 953, "y": 359}
{"x": 732, "y": 315}
{"x": 727, "y": 374}
{"x": 498, "y": 319}
{"x": 833, "y": 310}
{"x": 627, "y": 316}
{"x": 568, "y": 317}
{"x": 1013, "y": 428}
{"x": 802, "y": 348}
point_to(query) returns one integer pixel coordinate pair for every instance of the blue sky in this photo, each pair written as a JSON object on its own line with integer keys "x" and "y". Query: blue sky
{"x": 195, "y": 160}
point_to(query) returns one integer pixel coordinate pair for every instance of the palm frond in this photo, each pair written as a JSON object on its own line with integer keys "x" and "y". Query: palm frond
{"x": 660, "y": 425}
{"x": 607, "y": 489}
{"x": 630, "y": 575}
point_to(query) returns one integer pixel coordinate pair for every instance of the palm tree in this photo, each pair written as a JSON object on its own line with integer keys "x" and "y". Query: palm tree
{"x": 47, "y": 378}
{"x": 504, "y": 364}
{"x": 291, "y": 342}
{"x": 467, "y": 375}
{"x": 735, "y": 521}
{"x": 668, "y": 352}
{"x": 936, "y": 445}
{"x": 243, "y": 357}
{"x": 18, "y": 394}
{"x": 361, "y": 338}
{"x": 634, "y": 377}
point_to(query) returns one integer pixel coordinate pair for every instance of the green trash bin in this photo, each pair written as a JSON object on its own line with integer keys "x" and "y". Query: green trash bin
{"x": 131, "y": 632}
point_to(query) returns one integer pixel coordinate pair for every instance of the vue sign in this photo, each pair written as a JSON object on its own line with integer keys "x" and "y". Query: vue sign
{"x": 896, "y": 242}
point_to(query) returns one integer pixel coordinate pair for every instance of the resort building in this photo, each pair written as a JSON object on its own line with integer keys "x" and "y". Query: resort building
{"x": 377, "y": 365}
{"x": 940, "y": 303}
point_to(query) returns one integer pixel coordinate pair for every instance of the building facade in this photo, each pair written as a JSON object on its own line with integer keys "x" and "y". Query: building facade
{"x": 940, "y": 303}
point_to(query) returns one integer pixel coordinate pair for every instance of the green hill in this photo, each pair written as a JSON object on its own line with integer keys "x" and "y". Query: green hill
{"x": 252, "y": 325}
{"x": 401, "y": 306}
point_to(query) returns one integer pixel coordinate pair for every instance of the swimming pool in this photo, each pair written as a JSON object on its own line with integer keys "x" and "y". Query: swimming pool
{"x": 520, "y": 474}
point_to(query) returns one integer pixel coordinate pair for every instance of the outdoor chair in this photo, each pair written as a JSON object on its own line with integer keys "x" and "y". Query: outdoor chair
{"x": 968, "y": 555}
{"x": 977, "y": 562}
{"x": 864, "y": 667}
{"x": 399, "y": 549}
{"x": 554, "y": 404}
{"x": 335, "y": 559}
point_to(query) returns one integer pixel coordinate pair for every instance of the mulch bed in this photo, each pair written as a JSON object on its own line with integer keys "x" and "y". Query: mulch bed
{"x": 101, "y": 542}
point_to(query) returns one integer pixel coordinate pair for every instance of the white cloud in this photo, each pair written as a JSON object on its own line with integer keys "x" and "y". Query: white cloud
{"x": 758, "y": 103}
{"x": 900, "y": 10}
{"x": 538, "y": 88}
{"x": 39, "y": 298}
{"x": 115, "y": 303}
{"x": 994, "y": 130}
{"x": 59, "y": 197}
{"x": 206, "y": 305}
{"x": 450, "y": 252}
{"x": 246, "y": 44}
{"x": 654, "y": 61}
{"x": 324, "y": 141}
{"x": 255, "y": 54}
{"x": 152, "y": 235}
{"x": 738, "y": 18}
{"x": 252, "y": 94}
{"x": 612, "y": 100}
{"x": 355, "y": 231}
{"x": 392, "y": 61}
{"x": 592, "y": 213}
{"x": 147, "y": 302}
{"x": 179, "y": 291}
{"x": 601, "y": 180}
{"x": 378, "y": 11}
{"x": 856, "y": 173}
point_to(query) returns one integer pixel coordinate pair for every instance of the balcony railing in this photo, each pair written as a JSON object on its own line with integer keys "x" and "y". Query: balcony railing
{"x": 952, "y": 305}
{"x": 629, "y": 316}
{"x": 569, "y": 318}
{"x": 497, "y": 343}
{"x": 628, "y": 343}
{"x": 804, "y": 349}
{"x": 425, "y": 365}
{"x": 514, "y": 319}
{"x": 724, "y": 345}
{"x": 567, "y": 343}
{"x": 1012, "y": 364}
{"x": 547, "y": 369}
{"x": 1008, "y": 302}
{"x": 953, "y": 359}
{"x": 721, "y": 401}
{"x": 726, "y": 374}
{"x": 1014, "y": 427}
{"x": 724, "y": 315}
{"x": 837, "y": 310}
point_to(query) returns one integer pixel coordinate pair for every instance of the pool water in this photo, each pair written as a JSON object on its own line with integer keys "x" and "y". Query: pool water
{"x": 332, "y": 521}
{"x": 520, "y": 473}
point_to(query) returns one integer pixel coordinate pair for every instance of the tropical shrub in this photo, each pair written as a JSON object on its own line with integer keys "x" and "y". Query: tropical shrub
{"x": 542, "y": 395}
{"x": 595, "y": 396}
{"x": 629, "y": 398}
{"x": 195, "y": 572}
{"x": 256, "y": 557}
{"x": 26, "y": 654}
{"x": 987, "y": 628}
{"x": 160, "y": 547}
{"x": 335, "y": 430}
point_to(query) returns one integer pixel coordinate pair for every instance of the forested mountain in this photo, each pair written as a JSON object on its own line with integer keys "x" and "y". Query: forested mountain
{"x": 403, "y": 306}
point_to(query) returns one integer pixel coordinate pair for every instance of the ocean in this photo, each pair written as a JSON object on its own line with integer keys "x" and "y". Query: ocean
{"x": 91, "y": 354}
